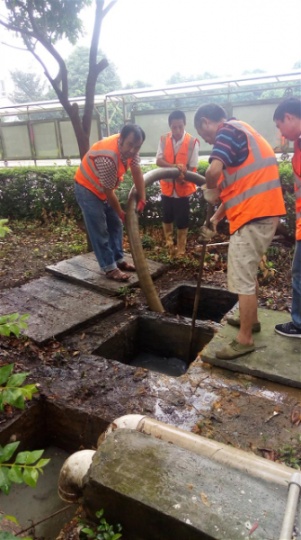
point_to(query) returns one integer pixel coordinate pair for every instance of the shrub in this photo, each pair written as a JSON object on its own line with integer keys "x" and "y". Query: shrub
{"x": 42, "y": 192}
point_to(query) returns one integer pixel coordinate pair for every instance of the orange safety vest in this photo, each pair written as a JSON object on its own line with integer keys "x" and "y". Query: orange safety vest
{"x": 252, "y": 190}
{"x": 296, "y": 162}
{"x": 183, "y": 156}
{"x": 87, "y": 174}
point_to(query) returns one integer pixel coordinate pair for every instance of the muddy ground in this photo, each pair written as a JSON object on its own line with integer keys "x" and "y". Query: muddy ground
{"x": 245, "y": 412}
{"x": 248, "y": 413}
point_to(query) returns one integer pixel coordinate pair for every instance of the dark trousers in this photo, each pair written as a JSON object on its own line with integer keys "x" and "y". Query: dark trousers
{"x": 176, "y": 211}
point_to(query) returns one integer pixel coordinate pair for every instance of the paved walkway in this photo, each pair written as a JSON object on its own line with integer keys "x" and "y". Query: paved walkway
{"x": 68, "y": 297}
{"x": 75, "y": 292}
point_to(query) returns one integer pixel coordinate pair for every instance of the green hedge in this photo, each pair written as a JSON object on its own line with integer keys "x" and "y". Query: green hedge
{"x": 41, "y": 192}
{"x": 37, "y": 192}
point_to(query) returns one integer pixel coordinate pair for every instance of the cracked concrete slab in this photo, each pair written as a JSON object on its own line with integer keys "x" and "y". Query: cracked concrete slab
{"x": 276, "y": 357}
{"x": 55, "y": 306}
{"x": 163, "y": 491}
{"x": 84, "y": 270}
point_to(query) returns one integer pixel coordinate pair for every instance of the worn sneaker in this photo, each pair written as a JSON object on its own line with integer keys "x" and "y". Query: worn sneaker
{"x": 235, "y": 321}
{"x": 288, "y": 329}
{"x": 234, "y": 350}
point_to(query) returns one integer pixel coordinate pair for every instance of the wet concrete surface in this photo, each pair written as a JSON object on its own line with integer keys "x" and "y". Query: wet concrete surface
{"x": 55, "y": 306}
{"x": 161, "y": 491}
{"x": 276, "y": 357}
{"x": 82, "y": 393}
{"x": 84, "y": 270}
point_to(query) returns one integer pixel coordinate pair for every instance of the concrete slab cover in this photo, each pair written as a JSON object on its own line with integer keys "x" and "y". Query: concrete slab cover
{"x": 55, "y": 306}
{"x": 276, "y": 357}
{"x": 84, "y": 270}
{"x": 159, "y": 490}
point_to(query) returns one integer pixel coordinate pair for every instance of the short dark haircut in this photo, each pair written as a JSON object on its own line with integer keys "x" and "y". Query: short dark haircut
{"x": 211, "y": 111}
{"x": 132, "y": 128}
{"x": 176, "y": 115}
{"x": 290, "y": 105}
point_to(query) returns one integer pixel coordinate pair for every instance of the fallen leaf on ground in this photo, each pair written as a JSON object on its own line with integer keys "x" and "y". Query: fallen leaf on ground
{"x": 205, "y": 499}
{"x": 296, "y": 415}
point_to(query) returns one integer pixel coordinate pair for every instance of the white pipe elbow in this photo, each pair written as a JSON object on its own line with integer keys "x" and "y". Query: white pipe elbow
{"x": 128, "y": 421}
{"x": 72, "y": 474}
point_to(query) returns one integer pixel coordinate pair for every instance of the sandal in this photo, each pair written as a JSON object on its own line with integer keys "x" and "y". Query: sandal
{"x": 126, "y": 266}
{"x": 116, "y": 275}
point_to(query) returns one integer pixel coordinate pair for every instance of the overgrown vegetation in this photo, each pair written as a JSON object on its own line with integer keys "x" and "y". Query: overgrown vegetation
{"x": 26, "y": 466}
{"x": 100, "y": 531}
{"x": 47, "y": 193}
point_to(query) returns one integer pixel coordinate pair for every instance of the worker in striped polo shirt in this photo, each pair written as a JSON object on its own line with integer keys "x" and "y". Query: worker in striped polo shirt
{"x": 243, "y": 174}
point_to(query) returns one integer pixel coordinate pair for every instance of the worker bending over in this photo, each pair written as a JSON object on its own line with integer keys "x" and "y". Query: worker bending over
{"x": 243, "y": 173}
{"x": 96, "y": 180}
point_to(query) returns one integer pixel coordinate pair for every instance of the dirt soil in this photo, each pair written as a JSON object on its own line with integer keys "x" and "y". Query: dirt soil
{"x": 249, "y": 413}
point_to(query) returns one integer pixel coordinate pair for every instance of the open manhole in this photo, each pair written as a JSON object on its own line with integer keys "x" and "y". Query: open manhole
{"x": 157, "y": 343}
{"x": 213, "y": 305}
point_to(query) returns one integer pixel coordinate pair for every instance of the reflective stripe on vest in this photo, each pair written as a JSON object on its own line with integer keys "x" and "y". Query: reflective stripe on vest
{"x": 259, "y": 161}
{"x": 243, "y": 187}
{"x": 296, "y": 162}
{"x": 191, "y": 143}
{"x": 87, "y": 174}
{"x": 256, "y": 190}
{"x": 183, "y": 156}
{"x": 104, "y": 153}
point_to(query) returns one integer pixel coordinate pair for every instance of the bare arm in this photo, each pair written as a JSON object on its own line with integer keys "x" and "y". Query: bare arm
{"x": 114, "y": 202}
{"x": 219, "y": 214}
{"x": 213, "y": 173}
{"x": 138, "y": 181}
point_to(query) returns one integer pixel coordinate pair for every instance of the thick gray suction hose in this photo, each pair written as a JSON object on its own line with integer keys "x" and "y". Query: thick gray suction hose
{"x": 145, "y": 280}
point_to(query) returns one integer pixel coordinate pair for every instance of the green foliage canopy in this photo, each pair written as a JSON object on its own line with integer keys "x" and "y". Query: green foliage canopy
{"x": 52, "y": 20}
{"x": 78, "y": 68}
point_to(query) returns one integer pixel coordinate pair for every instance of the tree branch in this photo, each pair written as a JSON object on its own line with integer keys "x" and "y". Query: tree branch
{"x": 95, "y": 68}
{"x": 62, "y": 75}
{"x": 16, "y": 29}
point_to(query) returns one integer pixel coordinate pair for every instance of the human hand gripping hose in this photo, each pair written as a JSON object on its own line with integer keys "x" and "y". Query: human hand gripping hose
{"x": 207, "y": 233}
{"x": 211, "y": 195}
{"x": 140, "y": 206}
{"x": 182, "y": 171}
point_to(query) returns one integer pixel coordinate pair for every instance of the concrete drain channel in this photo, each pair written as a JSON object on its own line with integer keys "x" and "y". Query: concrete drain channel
{"x": 191, "y": 489}
{"x": 160, "y": 343}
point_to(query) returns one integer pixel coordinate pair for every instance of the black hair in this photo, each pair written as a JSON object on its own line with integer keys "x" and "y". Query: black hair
{"x": 290, "y": 105}
{"x": 176, "y": 115}
{"x": 211, "y": 111}
{"x": 132, "y": 128}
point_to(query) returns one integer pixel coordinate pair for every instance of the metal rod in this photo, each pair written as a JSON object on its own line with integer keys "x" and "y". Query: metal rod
{"x": 34, "y": 524}
{"x": 210, "y": 210}
{"x": 217, "y": 244}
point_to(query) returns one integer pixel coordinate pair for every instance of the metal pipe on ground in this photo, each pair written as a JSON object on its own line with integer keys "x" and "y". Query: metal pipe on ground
{"x": 75, "y": 468}
{"x": 132, "y": 224}
{"x": 294, "y": 490}
{"x": 229, "y": 456}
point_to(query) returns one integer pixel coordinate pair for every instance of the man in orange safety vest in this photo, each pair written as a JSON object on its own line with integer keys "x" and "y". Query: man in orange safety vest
{"x": 177, "y": 149}
{"x": 243, "y": 173}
